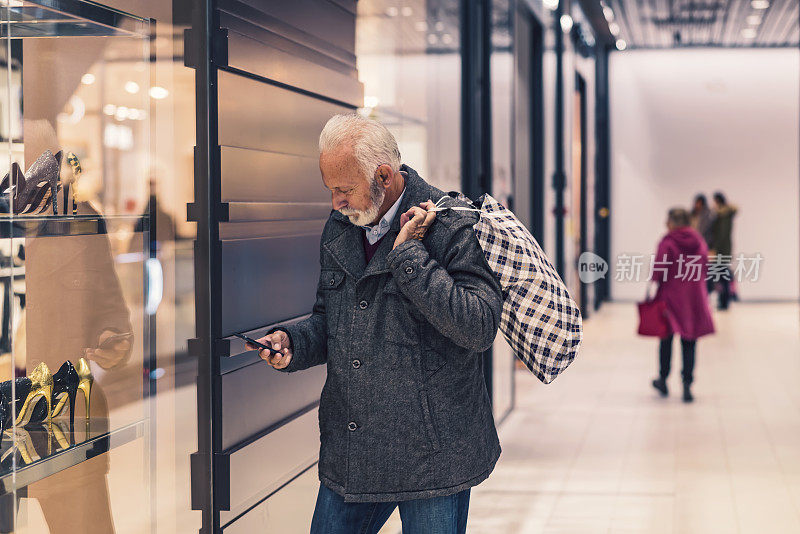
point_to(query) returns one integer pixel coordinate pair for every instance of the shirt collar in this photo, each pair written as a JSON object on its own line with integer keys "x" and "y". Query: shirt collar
{"x": 378, "y": 230}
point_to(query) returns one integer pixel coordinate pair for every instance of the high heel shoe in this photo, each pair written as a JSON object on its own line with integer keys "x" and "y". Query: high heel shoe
{"x": 41, "y": 387}
{"x": 85, "y": 382}
{"x": 9, "y": 184}
{"x": 42, "y": 179}
{"x": 22, "y": 386}
{"x": 40, "y": 184}
{"x": 65, "y": 388}
{"x": 22, "y": 445}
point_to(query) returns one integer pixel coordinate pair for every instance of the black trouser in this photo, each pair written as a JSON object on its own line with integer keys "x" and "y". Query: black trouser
{"x": 725, "y": 289}
{"x": 665, "y": 355}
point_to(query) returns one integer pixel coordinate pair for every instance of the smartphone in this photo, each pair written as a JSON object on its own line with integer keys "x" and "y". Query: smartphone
{"x": 111, "y": 341}
{"x": 257, "y": 344}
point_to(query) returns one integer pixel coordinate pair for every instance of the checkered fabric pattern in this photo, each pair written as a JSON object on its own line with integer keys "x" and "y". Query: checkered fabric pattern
{"x": 540, "y": 320}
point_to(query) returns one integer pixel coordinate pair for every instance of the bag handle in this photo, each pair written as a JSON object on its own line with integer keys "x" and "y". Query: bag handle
{"x": 452, "y": 194}
{"x": 650, "y": 283}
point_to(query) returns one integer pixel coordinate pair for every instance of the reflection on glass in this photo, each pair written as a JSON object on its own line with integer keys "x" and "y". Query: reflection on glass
{"x": 410, "y": 65}
{"x": 74, "y": 342}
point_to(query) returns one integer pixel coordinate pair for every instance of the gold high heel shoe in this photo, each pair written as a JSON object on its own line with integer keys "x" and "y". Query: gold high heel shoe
{"x": 41, "y": 386}
{"x": 86, "y": 381}
{"x": 21, "y": 443}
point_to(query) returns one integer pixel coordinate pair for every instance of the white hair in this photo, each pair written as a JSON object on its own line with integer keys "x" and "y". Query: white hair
{"x": 373, "y": 144}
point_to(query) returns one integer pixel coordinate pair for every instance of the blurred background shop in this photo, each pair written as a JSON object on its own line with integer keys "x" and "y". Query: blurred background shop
{"x": 163, "y": 194}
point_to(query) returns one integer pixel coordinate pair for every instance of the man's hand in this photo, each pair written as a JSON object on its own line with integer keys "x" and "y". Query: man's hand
{"x": 278, "y": 340}
{"x": 112, "y": 349}
{"x": 415, "y": 222}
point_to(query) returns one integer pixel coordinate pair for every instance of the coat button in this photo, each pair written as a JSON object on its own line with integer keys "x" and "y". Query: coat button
{"x": 409, "y": 270}
{"x": 363, "y": 304}
{"x": 356, "y": 364}
{"x": 351, "y": 426}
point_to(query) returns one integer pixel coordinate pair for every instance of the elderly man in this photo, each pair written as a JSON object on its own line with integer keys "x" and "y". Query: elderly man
{"x": 405, "y": 305}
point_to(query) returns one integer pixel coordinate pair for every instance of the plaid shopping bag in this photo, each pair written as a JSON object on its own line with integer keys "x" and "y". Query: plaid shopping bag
{"x": 540, "y": 320}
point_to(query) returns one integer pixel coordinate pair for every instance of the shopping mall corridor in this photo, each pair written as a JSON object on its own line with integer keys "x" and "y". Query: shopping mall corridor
{"x": 597, "y": 451}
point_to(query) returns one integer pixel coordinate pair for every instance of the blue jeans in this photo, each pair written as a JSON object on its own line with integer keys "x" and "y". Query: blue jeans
{"x": 437, "y": 515}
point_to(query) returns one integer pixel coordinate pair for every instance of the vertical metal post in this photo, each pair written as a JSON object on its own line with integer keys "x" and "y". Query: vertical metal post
{"x": 602, "y": 236}
{"x": 207, "y": 265}
{"x": 476, "y": 117}
{"x": 559, "y": 175}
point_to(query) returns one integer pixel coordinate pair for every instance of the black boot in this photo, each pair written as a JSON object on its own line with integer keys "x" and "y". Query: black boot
{"x": 687, "y": 393}
{"x": 661, "y": 385}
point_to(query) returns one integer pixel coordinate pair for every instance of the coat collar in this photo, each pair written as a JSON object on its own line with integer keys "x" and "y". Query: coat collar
{"x": 347, "y": 245}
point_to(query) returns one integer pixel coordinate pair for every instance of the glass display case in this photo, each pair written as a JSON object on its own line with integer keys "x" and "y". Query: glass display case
{"x": 78, "y": 286}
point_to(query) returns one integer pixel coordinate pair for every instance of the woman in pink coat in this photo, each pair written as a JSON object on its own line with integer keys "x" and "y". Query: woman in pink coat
{"x": 680, "y": 269}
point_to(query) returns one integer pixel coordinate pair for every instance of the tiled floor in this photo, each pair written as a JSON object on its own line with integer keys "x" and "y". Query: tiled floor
{"x": 598, "y": 451}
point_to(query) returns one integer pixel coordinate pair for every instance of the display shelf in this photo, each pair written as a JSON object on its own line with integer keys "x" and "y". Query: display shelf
{"x": 43, "y": 450}
{"x": 17, "y": 218}
{"x": 32, "y": 226}
{"x": 66, "y": 18}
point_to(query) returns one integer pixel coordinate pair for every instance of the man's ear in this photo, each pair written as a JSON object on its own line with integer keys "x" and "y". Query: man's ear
{"x": 384, "y": 174}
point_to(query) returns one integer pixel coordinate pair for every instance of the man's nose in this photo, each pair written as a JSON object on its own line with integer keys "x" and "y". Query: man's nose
{"x": 338, "y": 200}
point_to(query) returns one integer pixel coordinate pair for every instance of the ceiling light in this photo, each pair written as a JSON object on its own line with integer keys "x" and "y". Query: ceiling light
{"x": 759, "y": 4}
{"x": 552, "y": 5}
{"x": 407, "y": 11}
{"x": 421, "y": 26}
{"x": 447, "y": 38}
{"x": 132, "y": 87}
{"x": 621, "y": 44}
{"x": 87, "y": 79}
{"x": 392, "y": 11}
{"x": 109, "y": 109}
{"x": 749, "y": 33}
{"x": 754, "y": 20}
{"x": 613, "y": 28}
{"x": 121, "y": 114}
{"x": 608, "y": 13}
{"x": 439, "y": 26}
{"x": 158, "y": 92}
{"x": 566, "y": 23}
{"x": 432, "y": 39}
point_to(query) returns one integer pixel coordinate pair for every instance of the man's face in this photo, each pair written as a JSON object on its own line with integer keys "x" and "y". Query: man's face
{"x": 352, "y": 194}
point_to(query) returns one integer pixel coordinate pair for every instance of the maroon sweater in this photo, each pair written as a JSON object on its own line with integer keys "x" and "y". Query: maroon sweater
{"x": 369, "y": 250}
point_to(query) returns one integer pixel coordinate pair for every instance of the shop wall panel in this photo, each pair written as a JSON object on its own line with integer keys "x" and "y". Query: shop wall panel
{"x": 290, "y": 509}
{"x": 257, "y": 115}
{"x": 267, "y": 280}
{"x": 331, "y": 28}
{"x": 255, "y": 57}
{"x": 257, "y": 176}
{"x": 257, "y": 396}
{"x": 263, "y": 466}
{"x": 325, "y": 56}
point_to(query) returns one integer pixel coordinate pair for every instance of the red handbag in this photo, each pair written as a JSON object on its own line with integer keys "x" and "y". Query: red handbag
{"x": 653, "y": 317}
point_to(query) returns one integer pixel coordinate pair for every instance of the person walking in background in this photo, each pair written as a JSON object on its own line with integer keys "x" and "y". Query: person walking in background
{"x": 720, "y": 248}
{"x": 702, "y": 217}
{"x": 682, "y": 257}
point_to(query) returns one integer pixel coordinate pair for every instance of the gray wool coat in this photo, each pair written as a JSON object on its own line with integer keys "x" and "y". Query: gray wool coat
{"x": 404, "y": 413}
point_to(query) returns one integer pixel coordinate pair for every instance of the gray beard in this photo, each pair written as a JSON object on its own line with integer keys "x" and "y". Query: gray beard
{"x": 362, "y": 218}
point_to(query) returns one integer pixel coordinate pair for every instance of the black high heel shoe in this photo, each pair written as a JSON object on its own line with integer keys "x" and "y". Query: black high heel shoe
{"x": 65, "y": 388}
{"x": 22, "y": 388}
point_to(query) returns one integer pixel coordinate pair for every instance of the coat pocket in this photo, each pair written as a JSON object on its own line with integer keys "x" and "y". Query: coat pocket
{"x": 401, "y": 320}
{"x": 430, "y": 424}
{"x": 332, "y": 286}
